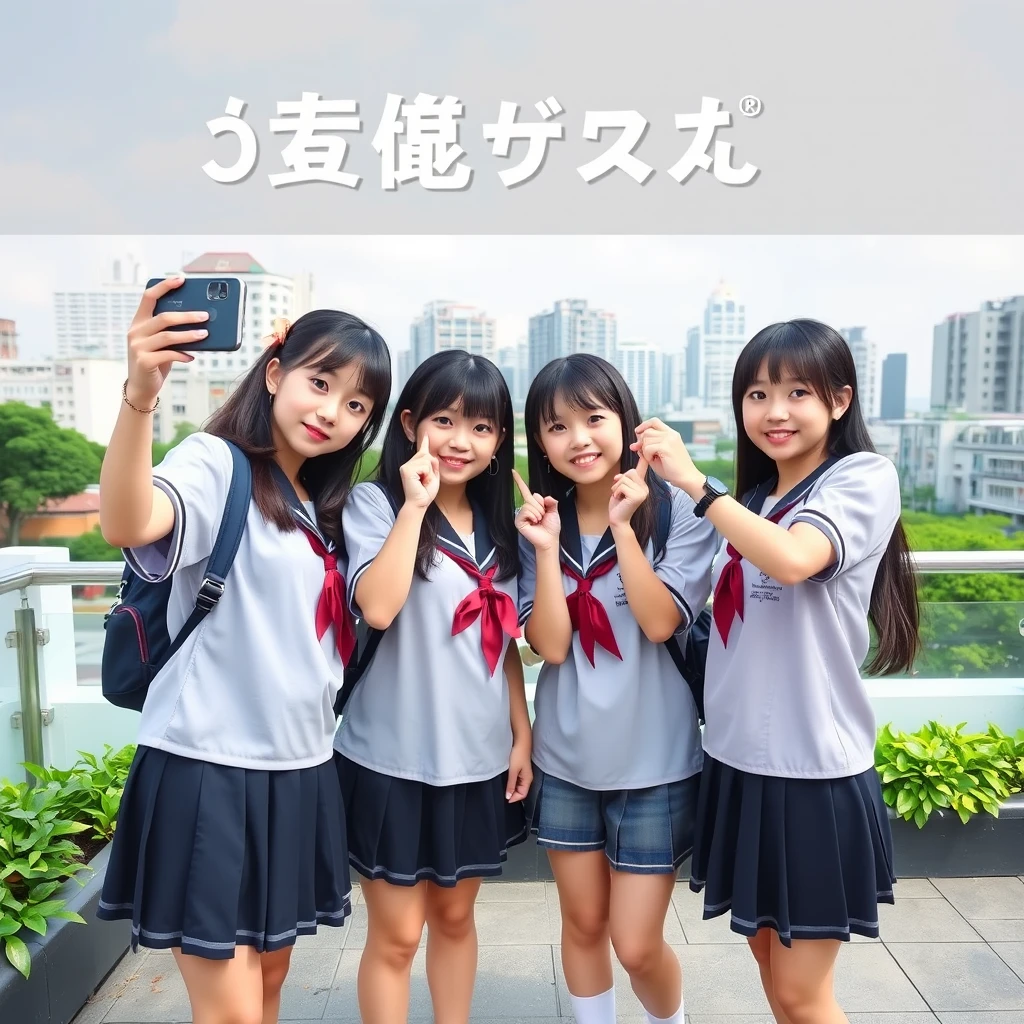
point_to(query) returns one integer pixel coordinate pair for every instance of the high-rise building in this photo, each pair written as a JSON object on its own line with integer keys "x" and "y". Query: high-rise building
{"x": 865, "y": 361}
{"x": 404, "y": 366}
{"x": 894, "y": 386}
{"x": 641, "y": 366}
{"x": 446, "y": 324}
{"x": 514, "y": 363}
{"x": 712, "y": 350}
{"x": 93, "y": 323}
{"x": 268, "y": 296}
{"x": 8, "y": 340}
{"x": 673, "y": 379}
{"x": 570, "y": 326}
{"x": 26, "y": 381}
{"x": 978, "y": 359}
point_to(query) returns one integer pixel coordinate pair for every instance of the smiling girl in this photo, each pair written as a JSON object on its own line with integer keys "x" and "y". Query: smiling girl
{"x": 616, "y": 738}
{"x": 230, "y": 838}
{"x": 792, "y": 835}
{"x": 434, "y": 748}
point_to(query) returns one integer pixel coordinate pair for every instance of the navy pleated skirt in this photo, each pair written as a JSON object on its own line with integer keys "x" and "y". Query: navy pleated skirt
{"x": 408, "y": 832}
{"x": 809, "y": 858}
{"x": 207, "y": 857}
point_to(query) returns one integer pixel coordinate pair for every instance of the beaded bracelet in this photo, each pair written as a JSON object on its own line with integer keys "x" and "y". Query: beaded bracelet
{"x": 124, "y": 395}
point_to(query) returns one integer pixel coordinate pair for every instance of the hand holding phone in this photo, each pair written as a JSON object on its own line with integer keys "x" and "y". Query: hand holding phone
{"x": 150, "y": 338}
{"x": 221, "y": 298}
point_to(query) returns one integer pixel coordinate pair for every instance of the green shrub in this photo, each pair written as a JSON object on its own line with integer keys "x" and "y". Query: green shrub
{"x": 37, "y": 853}
{"x": 939, "y": 768}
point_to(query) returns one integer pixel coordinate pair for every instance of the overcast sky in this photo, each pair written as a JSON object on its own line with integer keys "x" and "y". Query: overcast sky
{"x": 899, "y": 287}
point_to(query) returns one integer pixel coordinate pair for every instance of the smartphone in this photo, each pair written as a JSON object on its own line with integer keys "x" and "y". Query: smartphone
{"x": 222, "y": 297}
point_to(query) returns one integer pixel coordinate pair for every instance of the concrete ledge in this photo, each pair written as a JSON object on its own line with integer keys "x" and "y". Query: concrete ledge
{"x": 69, "y": 962}
{"x": 947, "y": 848}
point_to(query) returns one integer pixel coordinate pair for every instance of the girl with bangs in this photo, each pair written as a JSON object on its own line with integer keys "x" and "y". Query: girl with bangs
{"x": 433, "y": 752}
{"x": 617, "y": 748}
{"x": 792, "y": 835}
{"x": 230, "y": 838}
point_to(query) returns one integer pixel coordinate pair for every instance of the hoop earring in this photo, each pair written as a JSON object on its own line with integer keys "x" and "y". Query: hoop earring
{"x": 493, "y": 468}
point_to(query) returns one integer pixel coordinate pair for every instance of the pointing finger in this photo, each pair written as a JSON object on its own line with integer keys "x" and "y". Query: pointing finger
{"x": 521, "y": 484}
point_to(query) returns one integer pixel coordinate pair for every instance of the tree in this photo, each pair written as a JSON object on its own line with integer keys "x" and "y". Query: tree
{"x": 180, "y": 433}
{"x": 91, "y": 547}
{"x": 39, "y": 461}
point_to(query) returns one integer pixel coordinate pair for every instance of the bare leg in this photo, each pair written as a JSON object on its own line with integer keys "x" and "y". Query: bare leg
{"x": 224, "y": 991}
{"x": 639, "y": 904}
{"x": 395, "y": 916}
{"x": 451, "y": 950}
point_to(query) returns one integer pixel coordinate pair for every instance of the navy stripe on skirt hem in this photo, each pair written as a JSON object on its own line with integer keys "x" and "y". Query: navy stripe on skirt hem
{"x": 406, "y": 832}
{"x": 208, "y": 857}
{"x": 807, "y": 858}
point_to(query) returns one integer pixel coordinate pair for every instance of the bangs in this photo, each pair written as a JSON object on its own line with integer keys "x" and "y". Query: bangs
{"x": 581, "y": 385}
{"x": 361, "y": 349}
{"x": 788, "y": 351}
{"x": 475, "y": 387}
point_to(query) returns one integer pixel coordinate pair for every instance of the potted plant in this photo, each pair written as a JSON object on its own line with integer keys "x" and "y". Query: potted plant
{"x": 953, "y": 799}
{"x": 53, "y": 840}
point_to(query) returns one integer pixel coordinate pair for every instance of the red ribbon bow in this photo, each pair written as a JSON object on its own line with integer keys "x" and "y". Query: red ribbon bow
{"x": 728, "y": 601}
{"x": 588, "y": 615}
{"x": 495, "y": 609}
{"x": 330, "y": 609}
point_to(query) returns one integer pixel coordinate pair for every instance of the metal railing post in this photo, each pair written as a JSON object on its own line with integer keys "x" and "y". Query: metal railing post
{"x": 27, "y": 639}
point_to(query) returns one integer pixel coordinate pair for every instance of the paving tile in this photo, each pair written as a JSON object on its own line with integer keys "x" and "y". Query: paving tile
{"x": 505, "y": 924}
{"x": 985, "y": 898}
{"x": 916, "y": 889}
{"x": 516, "y": 980}
{"x": 959, "y": 975}
{"x": 999, "y": 931}
{"x": 512, "y": 892}
{"x": 924, "y": 920}
{"x": 155, "y": 993}
{"x": 1012, "y": 954}
{"x": 690, "y": 910}
{"x": 869, "y": 980}
{"x": 925, "y": 1017}
{"x": 983, "y": 1017}
{"x": 131, "y": 968}
{"x": 308, "y": 985}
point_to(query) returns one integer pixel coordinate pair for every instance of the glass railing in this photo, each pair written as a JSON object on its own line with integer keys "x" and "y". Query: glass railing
{"x": 52, "y": 614}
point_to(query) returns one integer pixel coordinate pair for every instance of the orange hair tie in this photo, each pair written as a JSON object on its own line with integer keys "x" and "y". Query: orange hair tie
{"x": 279, "y": 328}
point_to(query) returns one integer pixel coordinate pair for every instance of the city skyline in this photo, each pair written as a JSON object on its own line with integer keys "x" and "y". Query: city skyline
{"x": 899, "y": 286}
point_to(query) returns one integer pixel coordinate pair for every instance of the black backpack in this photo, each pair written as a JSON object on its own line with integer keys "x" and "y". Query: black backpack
{"x": 692, "y": 656}
{"x": 688, "y": 659}
{"x": 137, "y": 645}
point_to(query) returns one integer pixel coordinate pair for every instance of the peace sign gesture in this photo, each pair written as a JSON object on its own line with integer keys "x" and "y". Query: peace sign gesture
{"x": 538, "y": 519}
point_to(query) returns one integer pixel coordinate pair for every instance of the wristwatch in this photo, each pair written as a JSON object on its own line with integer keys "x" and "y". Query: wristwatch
{"x": 713, "y": 488}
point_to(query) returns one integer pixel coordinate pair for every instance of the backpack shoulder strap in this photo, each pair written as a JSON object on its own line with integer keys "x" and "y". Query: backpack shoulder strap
{"x": 367, "y": 639}
{"x": 225, "y": 547}
{"x": 662, "y": 519}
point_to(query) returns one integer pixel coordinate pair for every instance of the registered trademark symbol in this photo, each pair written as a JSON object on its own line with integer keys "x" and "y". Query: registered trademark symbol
{"x": 750, "y": 106}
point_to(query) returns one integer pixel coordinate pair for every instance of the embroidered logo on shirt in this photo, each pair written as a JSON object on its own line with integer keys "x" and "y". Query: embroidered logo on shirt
{"x": 764, "y": 588}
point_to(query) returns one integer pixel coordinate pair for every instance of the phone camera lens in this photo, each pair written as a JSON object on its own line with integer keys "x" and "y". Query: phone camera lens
{"x": 217, "y": 290}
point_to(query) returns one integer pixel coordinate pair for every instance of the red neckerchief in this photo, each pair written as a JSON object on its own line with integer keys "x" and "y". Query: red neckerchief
{"x": 495, "y": 609}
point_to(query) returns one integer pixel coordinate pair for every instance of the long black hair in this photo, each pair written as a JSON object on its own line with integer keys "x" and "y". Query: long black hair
{"x": 456, "y": 379}
{"x": 817, "y": 355}
{"x": 585, "y": 381}
{"x": 322, "y": 341}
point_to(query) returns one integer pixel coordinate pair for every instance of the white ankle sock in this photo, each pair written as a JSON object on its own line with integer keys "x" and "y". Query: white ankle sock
{"x": 598, "y": 1009}
{"x": 676, "y": 1018}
